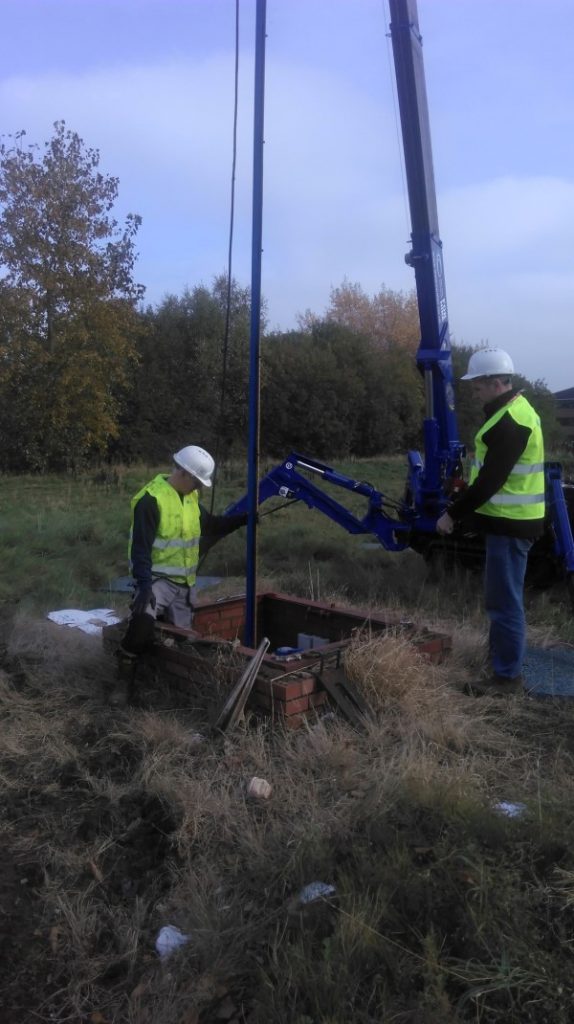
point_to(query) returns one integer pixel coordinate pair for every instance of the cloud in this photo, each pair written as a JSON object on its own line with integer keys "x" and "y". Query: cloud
{"x": 509, "y": 270}
{"x": 334, "y": 199}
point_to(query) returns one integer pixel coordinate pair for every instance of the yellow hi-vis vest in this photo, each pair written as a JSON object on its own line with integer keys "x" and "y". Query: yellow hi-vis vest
{"x": 175, "y": 552}
{"x": 522, "y": 495}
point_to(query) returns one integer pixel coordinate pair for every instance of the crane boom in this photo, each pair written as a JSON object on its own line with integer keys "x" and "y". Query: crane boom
{"x": 443, "y": 450}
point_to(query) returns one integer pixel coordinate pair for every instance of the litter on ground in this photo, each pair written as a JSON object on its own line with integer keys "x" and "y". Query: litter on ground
{"x": 258, "y": 789}
{"x": 91, "y": 621}
{"x": 316, "y": 891}
{"x": 169, "y": 939}
{"x": 510, "y": 810}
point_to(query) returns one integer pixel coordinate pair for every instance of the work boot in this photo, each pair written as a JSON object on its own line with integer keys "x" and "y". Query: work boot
{"x": 121, "y": 692}
{"x": 496, "y": 686}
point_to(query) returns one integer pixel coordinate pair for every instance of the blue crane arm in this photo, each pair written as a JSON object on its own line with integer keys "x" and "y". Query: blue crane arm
{"x": 428, "y": 480}
{"x": 287, "y": 481}
{"x": 443, "y": 450}
{"x": 557, "y": 511}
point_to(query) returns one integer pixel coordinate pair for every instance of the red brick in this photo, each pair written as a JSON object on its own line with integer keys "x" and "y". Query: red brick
{"x": 228, "y": 633}
{"x": 282, "y": 691}
{"x": 209, "y": 624}
{"x": 294, "y": 707}
{"x": 229, "y": 615}
{"x": 310, "y": 684}
{"x": 203, "y": 614}
{"x": 315, "y": 699}
{"x": 430, "y": 646}
{"x": 288, "y": 690}
{"x": 279, "y": 708}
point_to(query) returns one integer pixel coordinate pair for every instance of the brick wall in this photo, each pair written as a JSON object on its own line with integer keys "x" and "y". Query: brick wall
{"x": 296, "y": 695}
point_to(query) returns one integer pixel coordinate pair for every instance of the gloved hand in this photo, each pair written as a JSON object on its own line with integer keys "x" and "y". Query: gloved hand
{"x": 143, "y": 597}
{"x": 444, "y": 525}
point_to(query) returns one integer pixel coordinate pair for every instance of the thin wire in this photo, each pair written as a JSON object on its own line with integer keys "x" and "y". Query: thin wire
{"x": 223, "y": 393}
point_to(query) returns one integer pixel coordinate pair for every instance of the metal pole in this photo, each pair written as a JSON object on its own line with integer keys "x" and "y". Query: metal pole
{"x": 256, "y": 244}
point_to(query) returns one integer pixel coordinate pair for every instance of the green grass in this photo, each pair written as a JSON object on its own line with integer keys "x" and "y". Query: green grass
{"x": 64, "y": 540}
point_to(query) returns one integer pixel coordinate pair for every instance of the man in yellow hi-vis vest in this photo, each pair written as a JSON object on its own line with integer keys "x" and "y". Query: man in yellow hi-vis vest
{"x": 506, "y": 501}
{"x": 169, "y": 531}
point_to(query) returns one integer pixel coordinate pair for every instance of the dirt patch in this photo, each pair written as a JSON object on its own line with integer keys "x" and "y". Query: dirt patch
{"x": 25, "y": 963}
{"x": 82, "y": 844}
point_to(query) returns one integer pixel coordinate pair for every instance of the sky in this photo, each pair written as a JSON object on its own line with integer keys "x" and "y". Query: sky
{"x": 150, "y": 85}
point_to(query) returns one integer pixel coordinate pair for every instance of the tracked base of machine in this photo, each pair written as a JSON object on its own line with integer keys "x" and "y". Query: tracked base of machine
{"x": 307, "y": 640}
{"x": 466, "y": 550}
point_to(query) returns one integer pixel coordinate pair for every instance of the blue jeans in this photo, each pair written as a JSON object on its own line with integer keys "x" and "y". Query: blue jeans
{"x": 506, "y": 559}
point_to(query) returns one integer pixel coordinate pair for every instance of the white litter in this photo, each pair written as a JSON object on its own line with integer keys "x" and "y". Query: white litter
{"x": 91, "y": 621}
{"x": 169, "y": 939}
{"x": 510, "y": 810}
{"x": 316, "y": 891}
{"x": 258, "y": 789}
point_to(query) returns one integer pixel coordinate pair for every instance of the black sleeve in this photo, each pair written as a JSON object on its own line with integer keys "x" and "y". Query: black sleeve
{"x": 505, "y": 442}
{"x": 146, "y": 522}
{"x": 213, "y": 528}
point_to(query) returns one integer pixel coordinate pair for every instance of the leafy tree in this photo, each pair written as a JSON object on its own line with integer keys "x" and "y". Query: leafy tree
{"x": 330, "y": 392}
{"x": 388, "y": 318}
{"x": 177, "y": 395}
{"x": 68, "y": 302}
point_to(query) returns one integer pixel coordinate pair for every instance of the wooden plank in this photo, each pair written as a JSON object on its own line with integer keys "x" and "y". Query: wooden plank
{"x": 237, "y": 699}
{"x": 345, "y": 696}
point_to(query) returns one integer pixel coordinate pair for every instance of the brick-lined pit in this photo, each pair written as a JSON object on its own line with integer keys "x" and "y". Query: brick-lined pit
{"x": 281, "y": 619}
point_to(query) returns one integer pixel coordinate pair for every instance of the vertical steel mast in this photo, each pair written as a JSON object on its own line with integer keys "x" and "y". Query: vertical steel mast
{"x": 255, "y": 330}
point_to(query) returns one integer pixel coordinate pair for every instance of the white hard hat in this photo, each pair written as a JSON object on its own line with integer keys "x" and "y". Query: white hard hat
{"x": 196, "y": 461}
{"x": 489, "y": 362}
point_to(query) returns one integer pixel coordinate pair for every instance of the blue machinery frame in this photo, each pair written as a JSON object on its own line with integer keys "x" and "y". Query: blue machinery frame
{"x": 429, "y": 481}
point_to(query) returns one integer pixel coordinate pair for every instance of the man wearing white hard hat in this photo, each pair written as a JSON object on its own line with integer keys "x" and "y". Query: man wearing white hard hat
{"x": 505, "y": 501}
{"x": 169, "y": 531}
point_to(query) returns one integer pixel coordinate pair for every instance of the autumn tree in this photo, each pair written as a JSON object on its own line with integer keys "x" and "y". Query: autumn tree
{"x": 387, "y": 318}
{"x": 68, "y": 303}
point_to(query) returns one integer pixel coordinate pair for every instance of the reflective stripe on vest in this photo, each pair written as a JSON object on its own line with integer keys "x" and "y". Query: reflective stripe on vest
{"x": 175, "y": 551}
{"x": 536, "y": 467}
{"x": 522, "y": 495}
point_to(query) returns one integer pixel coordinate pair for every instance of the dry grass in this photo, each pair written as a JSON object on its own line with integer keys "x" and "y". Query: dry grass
{"x": 445, "y": 910}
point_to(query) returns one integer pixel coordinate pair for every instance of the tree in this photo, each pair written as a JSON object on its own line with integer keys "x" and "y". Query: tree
{"x": 388, "y": 318}
{"x": 179, "y": 380}
{"x": 330, "y": 392}
{"x": 68, "y": 303}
